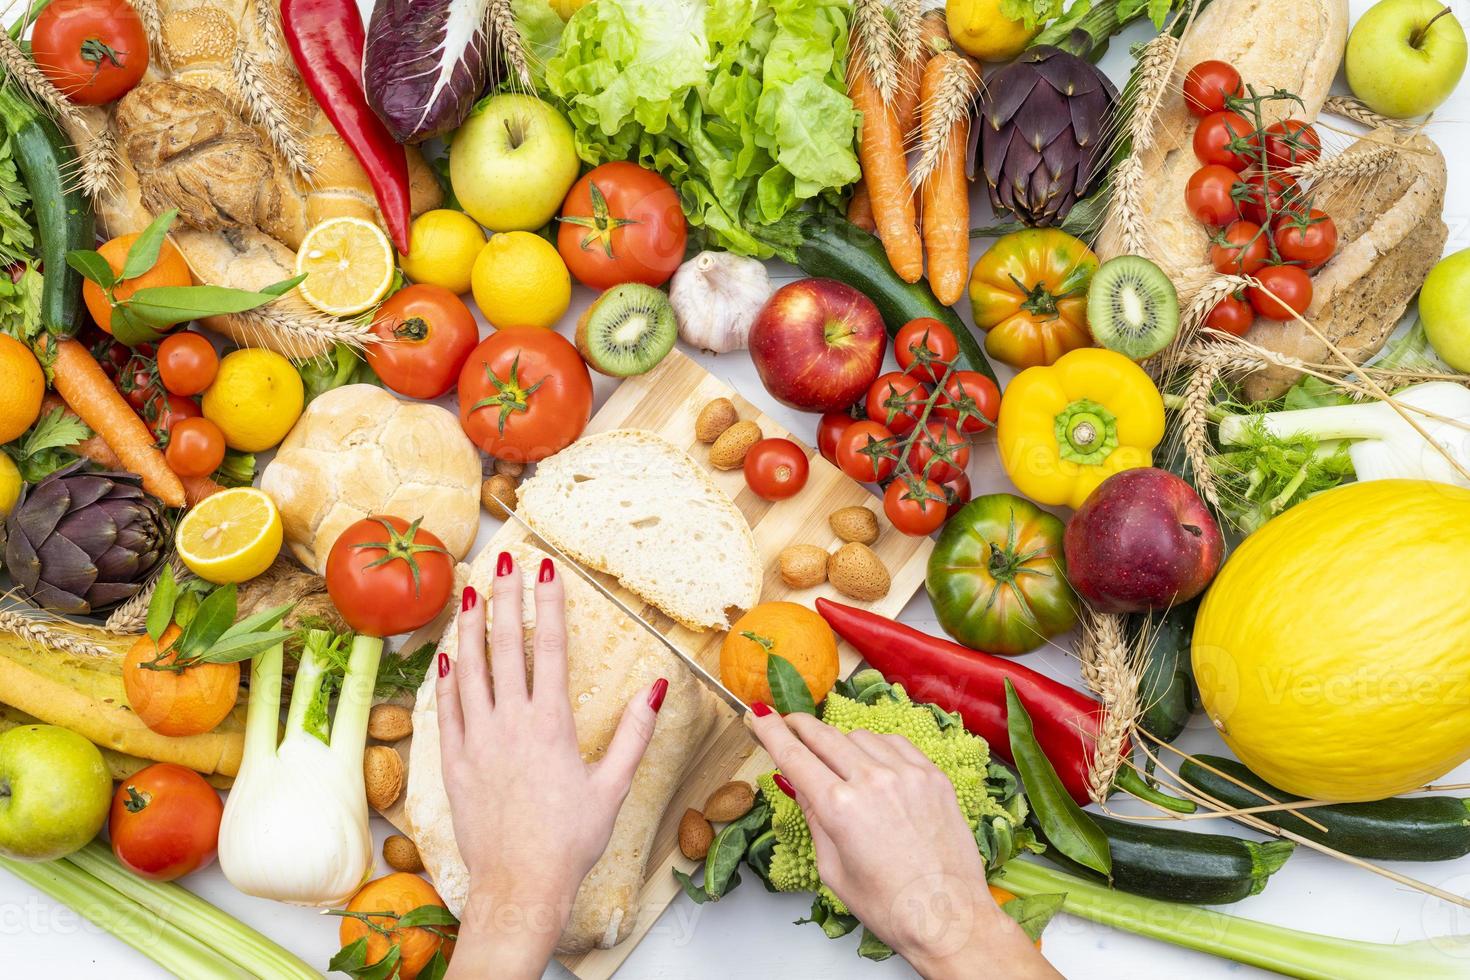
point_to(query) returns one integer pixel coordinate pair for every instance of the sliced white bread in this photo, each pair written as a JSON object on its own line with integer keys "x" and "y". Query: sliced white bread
{"x": 635, "y": 506}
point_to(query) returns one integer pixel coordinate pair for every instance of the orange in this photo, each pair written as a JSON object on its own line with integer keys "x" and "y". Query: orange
{"x": 20, "y": 395}
{"x": 786, "y": 630}
{"x": 399, "y": 893}
{"x": 169, "y": 270}
{"x": 190, "y": 701}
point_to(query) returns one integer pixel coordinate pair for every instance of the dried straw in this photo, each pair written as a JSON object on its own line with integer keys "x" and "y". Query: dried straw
{"x": 951, "y": 102}
{"x": 261, "y": 100}
{"x": 97, "y": 154}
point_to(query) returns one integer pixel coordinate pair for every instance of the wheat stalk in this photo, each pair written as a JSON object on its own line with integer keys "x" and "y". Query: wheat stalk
{"x": 301, "y": 333}
{"x": 1194, "y": 425}
{"x": 34, "y": 628}
{"x": 508, "y": 40}
{"x": 1151, "y": 83}
{"x": 908, "y": 32}
{"x": 949, "y": 106}
{"x": 260, "y": 100}
{"x": 1349, "y": 107}
{"x": 132, "y": 616}
{"x": 1112, "y": 669}
{"x": 97, "y": 155}
{"x": 875, "y": 47}
{"x": 152, "y": 19}
{"x": 268, "y": 28}
{"x": 1373, "y": 160}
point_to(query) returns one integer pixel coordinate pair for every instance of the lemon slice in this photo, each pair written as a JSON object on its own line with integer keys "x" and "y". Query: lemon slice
{"x": 231, "y": 536}
{"x": 348, "y": 264}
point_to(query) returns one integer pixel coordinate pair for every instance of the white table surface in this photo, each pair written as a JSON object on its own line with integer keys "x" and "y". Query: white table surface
{"x": 750, "y": 932}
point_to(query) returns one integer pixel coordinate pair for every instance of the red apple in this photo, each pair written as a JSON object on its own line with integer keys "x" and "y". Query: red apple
{"x": 1142, "y": 540}
{"x": 818, "y": 344}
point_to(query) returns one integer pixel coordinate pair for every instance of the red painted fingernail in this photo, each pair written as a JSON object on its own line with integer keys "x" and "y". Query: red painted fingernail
{"x": 503, "y": 564}
{"x": 468, "y": 598}
{"x": 784, "y": 784}
{"x": 443, "y": 665}
{"x": 760, "y": 709}
{"x": 656, "y": 696}
{"x": 548, "y": 571}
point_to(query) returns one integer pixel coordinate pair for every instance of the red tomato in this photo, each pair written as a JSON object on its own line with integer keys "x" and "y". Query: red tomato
{"x": 382, "y": 598}
{"x": 1291, "y": 286}
{"x": 971, "y": 402}
{"x": 1263, "y": 201}
{"x": 1224, "y": 138}
{"x": 896, "y": 400}
{"x": 164, "y": 822}
{"x": 1309, "y": 240}
{"x": 956, "y": 494}
{"x": 1207, "y": 195}
{"x": 775, "y": 469}
{"x": 166, "y": 411}
{"x": 1208, "y": 84}
{"x": 914, "y": 506}
{"x": 621, "y": 223}
{"x": 829, "y": 430}
{"x": 187, "y": 363}
{"x": 925, "y": 333}
{"x": 524, "y": 394}
{"x": 1240, "y": 249}
{"x": 940, "y": 453}
{"x": 1232, "y": 315}
{"x": 427, "y": 333}
{"x": 1291, "y": 142}
{"x": 93, "y": 50}
{"x": 866, "y": 451}
{"x": 196, "y": 447}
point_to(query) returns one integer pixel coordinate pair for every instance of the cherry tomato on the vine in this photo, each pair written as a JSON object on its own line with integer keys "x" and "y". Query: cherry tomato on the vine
{"x": 1292, "y": 289}
{"x": 1308, "y": 240}
{"x": 94, "y": 51}
{"x": 196, "y": 447}
{"x": 1240, "y": 249}
{"x": 896, "y": 400}
{"x": 867, "y": 451}
{"x": 915, "y": 506}
{"x": 971, "y": 402}
{"x": 187, "y": 363}
{"x": 939, "y": 453}
{"x": 1231, "y": 315}
{"x": 956, "y": 493}
{"x": 164, "y": 822}
{"x": 1223, "y": 138}
{"x": 426, "y": 335}
{"x": 1265, "y": 201}
{"x": 1208, "y": 197}
{"x": 388, "y": 576}
{"x": 775, "y": 469}
{"x": 925, "y": 333}
{"x": 1208, "y": 84}
{"x": 829, "y": 430}
{"x": 164, "y": 412}
{"x": 1292, "y": 142}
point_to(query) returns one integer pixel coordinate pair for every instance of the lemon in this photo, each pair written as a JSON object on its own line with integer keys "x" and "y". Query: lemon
{"x": 520, "y": 281}
{"x": 231, "y": 536}
{"x": 979, "y": 29}
{"x": 348, "y": 264}
{"x": 9, "y": 485}
{"x": 442, "y": 248}
{"x": 255, "y": 399}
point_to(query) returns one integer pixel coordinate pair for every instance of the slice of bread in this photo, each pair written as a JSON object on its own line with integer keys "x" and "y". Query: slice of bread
{"x": 633, "y": 505}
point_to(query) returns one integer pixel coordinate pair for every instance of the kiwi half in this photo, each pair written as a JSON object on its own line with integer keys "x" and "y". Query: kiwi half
{"x": 628, "y": 330}
{"x": 1132, "y": 307}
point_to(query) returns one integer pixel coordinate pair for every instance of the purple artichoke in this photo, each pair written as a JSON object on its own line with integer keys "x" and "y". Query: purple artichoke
{"x": 80, "y": 542}
{"x": 1045, "y": 122}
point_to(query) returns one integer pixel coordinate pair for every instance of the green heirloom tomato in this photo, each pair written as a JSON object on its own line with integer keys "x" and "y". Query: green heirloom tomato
{"x": 997, "y": 577}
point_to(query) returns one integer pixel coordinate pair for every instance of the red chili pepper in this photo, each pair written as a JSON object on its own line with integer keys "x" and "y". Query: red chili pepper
{"x": 972, "y": 684}
{"x": 326, "y": 41}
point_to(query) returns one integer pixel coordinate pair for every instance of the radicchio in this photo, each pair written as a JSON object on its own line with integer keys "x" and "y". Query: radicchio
{"x": 425, "y": 64}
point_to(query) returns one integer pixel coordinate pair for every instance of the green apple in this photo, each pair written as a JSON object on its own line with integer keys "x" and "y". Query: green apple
{"x": 512, "y": 163}
{"x": 1405, "y": 57}
{"x": 55, "y": 792}
{"x": 1444, "y": 308}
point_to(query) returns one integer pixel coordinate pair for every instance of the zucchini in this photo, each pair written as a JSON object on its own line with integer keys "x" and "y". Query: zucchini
{"x": 1421, "y": 828}
{"x": 837, "y": 249}
{"x": 1178, "y": 865}
{"x": 59, "y": 207}
{"x": 1167, "y": 685}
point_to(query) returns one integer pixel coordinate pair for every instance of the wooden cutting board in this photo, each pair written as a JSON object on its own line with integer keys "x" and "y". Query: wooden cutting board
{"x": 666, "y": 401}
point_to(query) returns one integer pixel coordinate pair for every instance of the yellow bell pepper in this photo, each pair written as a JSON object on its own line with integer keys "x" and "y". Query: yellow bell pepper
{"x": 1064, "y": 429}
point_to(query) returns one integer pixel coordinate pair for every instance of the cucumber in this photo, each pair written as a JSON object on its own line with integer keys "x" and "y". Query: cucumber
{"x": 1178, "y": 865}
{"x": 1421, "y": 828}
{"x": 833, "y": 248}
{"x": 1167, "y": 685}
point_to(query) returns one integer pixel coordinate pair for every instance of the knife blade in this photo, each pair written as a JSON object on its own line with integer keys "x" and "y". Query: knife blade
{"x": 705, "y": 677}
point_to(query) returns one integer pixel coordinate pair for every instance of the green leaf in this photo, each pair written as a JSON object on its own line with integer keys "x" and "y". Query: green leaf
{"x": 130, "y": 330}
{"x": 47, "y": 447}
{"x": 233, "y": 649}
{"x": 722, "y": 863}
{"x": 266, "y": 619}
{"x": 161, "y": 606}
{"x": 873, "y": 948}
{"x": 143, "y": 254}
{"x": 165, "y": 306}
{"x": 350, "y": 958}
{"x": 694, "y": 891}
{"x": 758, "y": 857}
{"x": 426, "y": 915}
{"x": 385, "y": 968}
{"x": 215, "y": 616}
{"x": 284, "y": 286}
{"x": 833, "y": 925}
{"x": 1034, "y": 912}
{"x": 435, "y": 968}
{"x": 92, "y": 266}
{"x": 403, "y": 673}
{"x": 788, "y": 690}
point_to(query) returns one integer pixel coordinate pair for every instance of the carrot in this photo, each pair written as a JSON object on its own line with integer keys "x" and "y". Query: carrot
{"x": 933, "y": 36}
{"x": 860, "y": 207}
{"x": 949, "y": 84}
{"x": 81, "y": 383}
{"x": 886, "y": 173}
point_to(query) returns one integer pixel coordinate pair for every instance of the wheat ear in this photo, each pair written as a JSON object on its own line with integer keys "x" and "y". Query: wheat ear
{"x": 1349, "y": 107}
{"x": 1342, "y": 166}
{"x": 1112, "y": 669}
{"x": 908, "y": 30}
{"x": 874, "y": 44}
{"x": 34, "y": 628}
{"x": 508, "y": 40}
{"x": 261, "y": 102}
{"x": 268, "y": 29}
{"x": 1194, "y": 420}
{"x": 97, "y": 152}
{"x": 152, "y": 19}
{"x": 1155, "y": 70}
{"x": 301, "y": 333}
{"x": 951, "y": 103}
{"x": 132, "y": 616}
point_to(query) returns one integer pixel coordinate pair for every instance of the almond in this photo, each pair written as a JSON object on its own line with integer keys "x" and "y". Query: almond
{"x": 513, "y": 470}
{"x": 857, "y": 572}
{"x": 730, "y": 802}
{"x": 854, "y": 524}
{"x": 496, "y": 494}
{"x": 695, "y": 835}
{"x": 714, "y": 419}
{"x": 803, "y": 566}
{"x": 390, "y": 722}
{"x": 400, "y": 854}
{"x": 728, "y": 452}
{"x": 382, "y": 773}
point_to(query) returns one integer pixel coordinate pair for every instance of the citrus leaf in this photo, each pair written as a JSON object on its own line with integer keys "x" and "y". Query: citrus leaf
{"x": 161, "y": 606}
{"x": 92, "y": 266}
{"x": 788, "y": 690}
{"x": 143, "y": 253}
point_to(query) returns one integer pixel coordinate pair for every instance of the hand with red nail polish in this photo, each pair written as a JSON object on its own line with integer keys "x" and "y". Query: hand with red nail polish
{"x": 530, "y": 817}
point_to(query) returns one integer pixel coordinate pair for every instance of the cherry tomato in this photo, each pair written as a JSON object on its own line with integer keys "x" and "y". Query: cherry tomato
{"x": 387, "y": 576}
{"x": 1309, "y": 240}
{"x": 1208, "y": 84}
{"x": 1207, "y": 195}
{"x": 196, "y": 447}
{"x": 1223, "y": 138}
{"x": 867, "y": 451}
{"x": 137, "y": 383}
{"x": 1292, "y": 142}
{"x": 1263, "y": 201}
{"x": 775, "y": 469}
{"x": 1240, "y": 249}
{"x": 164, "y": 822}
{"x": 956, "y": 493}
{"x": 829, "y": 431}
{"x": 971, "y": 402}
{"x": 896, "y": 400}
{"x": 187, "y": 363}
{"x": 1232, "y": 315}
{"x": 914, "y": 506}
{"x": 621, "y": 223}
{"x": 166, "y": 411}
{"x": 524, "y": 394}
{"x": 93, "y": 50}
{"x": 1291, "y": 286}
{"x": 427, "y": 334}
{"x": 940, "y": 453}
{"x": 925, "y": 333}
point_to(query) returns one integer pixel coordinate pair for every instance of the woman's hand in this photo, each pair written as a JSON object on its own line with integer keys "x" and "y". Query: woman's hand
{"x": 891, "y": 842}
{"x": 530, "y": 817}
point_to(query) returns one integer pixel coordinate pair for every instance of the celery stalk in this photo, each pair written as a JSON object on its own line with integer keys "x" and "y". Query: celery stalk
{"x": 1286, "y": 951}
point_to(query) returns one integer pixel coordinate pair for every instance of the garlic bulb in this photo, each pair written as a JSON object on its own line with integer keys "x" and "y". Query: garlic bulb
{"x": 716, "y": 296}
